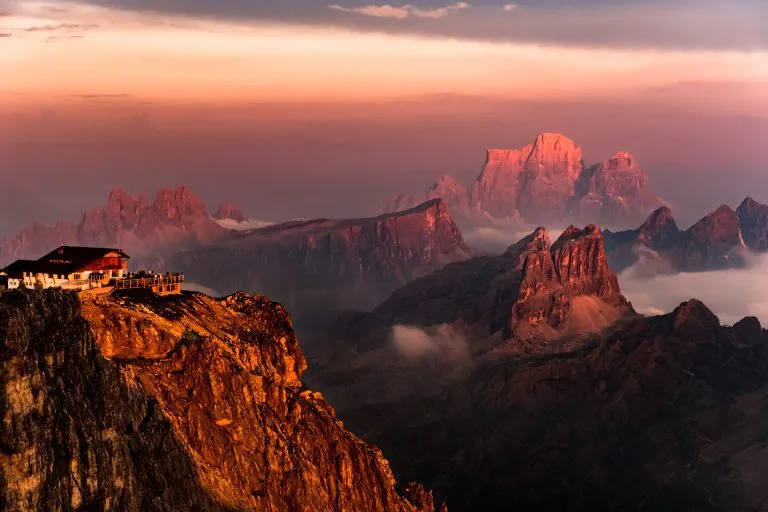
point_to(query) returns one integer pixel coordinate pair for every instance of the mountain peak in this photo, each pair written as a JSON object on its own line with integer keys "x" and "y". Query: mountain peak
{"x": 694, "y": 315}
{"x": 229, "y": 211}
{"x": 119, "y": 200}
{"x": 116, "y": 194}
{"x": 572, "y": 233}
{"x": 436, "y": 204}
{"x": 659, "y": 220}
{"x": 621, "y": 160}
{"x": 546, "y": 181}
{"x": 547, "y": 145}
{"x": 176, "y": 219}
{"x": 538, "y": 240}
{"x": 753, "y": 219}
{"x": 750, "y": 205}
{"x": 554, "y": 140}
{"x": 575, "y": 266}
{"x": 445, "y": 180}
{"x": 178, "y": 203}
{"x": 722, "y": 225}
{"x": 723, "y": 210}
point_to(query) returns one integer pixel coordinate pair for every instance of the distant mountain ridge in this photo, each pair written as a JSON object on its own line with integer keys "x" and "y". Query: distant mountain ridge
{"x": 329, "y": 264}
{"x": 176, "y": 219}
{"x": 546, "y": 182}
{"x": 720, "y": 240}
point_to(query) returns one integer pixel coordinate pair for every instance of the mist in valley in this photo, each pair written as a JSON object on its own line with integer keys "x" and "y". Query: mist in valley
{"x": 730, "y": 294}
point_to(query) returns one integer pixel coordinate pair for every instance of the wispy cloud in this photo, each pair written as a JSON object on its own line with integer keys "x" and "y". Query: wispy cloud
{"x": 5, "y": 34}
{"x": 442, "y": 341}
{"x": 53, "y": 39}
{"x": 61, "y": 26}
{"x": 100, "y": 96}
{"x": 636, "y": 24}
{"x": 403, "y": 11}
{"x": 55, "y": 9}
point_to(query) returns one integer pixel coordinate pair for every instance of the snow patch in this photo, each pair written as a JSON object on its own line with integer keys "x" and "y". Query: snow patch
{"x": 233, "y": 225}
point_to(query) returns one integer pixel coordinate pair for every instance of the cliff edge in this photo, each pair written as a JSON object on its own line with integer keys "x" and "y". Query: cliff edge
{"x": 185, "y": 403}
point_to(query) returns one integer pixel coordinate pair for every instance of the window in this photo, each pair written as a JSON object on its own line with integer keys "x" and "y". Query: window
{"x": 76, "y": 277}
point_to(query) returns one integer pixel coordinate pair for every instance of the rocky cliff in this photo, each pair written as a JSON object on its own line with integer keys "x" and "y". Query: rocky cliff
{"x": 330, "y": 264}
{"x": 553, "y": 278}
{"x": 719, "y": 240}
{"x": 537, "y": 298}
{"x": 183, "y": 403}
{"x": 535, "y": 182}
{"x": 753, "y": 218}
{"x": 526, "y": 299}
{"x": 175, "y": 219}
{"x": 547, "y": 182}
{"x": 614, "y": 189}
{"x": 715, "y": 242}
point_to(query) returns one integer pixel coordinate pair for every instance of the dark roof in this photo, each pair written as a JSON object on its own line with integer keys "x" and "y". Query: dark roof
{"x": 16, "y": 268}
{"x": 62, "y": 260}
{"x": 82, "y": 255}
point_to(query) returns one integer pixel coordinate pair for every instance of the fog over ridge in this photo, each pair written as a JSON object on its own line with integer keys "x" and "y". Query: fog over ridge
{"x": 731, "y": 294}
{"x": 443, "y": 342}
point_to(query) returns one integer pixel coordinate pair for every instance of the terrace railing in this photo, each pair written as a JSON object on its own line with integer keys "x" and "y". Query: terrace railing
{"x": 149, "y": 282}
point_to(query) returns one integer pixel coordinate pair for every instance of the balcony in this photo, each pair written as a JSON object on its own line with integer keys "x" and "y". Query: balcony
{"x": 160, "y": 284}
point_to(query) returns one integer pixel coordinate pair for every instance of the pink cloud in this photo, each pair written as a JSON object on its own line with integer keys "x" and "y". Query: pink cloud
{"x": 403, "y": 11}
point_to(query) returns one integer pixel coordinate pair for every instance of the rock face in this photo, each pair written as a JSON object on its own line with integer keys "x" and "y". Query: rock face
{"x": 176, "y": 219}
{"x": 753, "y": 217}
{"x": 712, "y": 243}
{"x": 665, "y": 413}
{"x": 229, "y": 211}
{"x": 547, "y": 182}
{"x": 715, "y": 242}
{"x": 198, "y": 405}
{"x": 535, "y": 182}
{"x": 330, "y": 264}
{"x": 614, "y": 189}
{"x": 532, "y": 294}
{"x": 659, "y": 230}
{"x": 575, "y": 266}
{"x": 658, "y": 234}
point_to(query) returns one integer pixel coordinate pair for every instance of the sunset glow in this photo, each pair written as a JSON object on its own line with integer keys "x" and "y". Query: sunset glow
{"x": 308, "y": 99}
{"x": 80, "y": 50}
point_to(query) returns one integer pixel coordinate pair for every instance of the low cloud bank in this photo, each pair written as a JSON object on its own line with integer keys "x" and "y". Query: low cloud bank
{"x": 442, "y": 342}
{"x": 730, "y": 294}
{"x": 650, "y": 264}
{"x": 495, "y": 240}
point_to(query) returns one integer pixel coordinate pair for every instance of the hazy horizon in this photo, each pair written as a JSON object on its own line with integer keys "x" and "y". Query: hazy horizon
{"x": 315, "y": 109}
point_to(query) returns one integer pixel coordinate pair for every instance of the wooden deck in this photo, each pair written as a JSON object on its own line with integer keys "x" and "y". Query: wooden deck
{"x": 159, "y": 284}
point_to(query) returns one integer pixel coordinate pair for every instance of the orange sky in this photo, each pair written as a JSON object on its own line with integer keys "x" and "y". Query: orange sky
{"x": 157, "y": 58}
